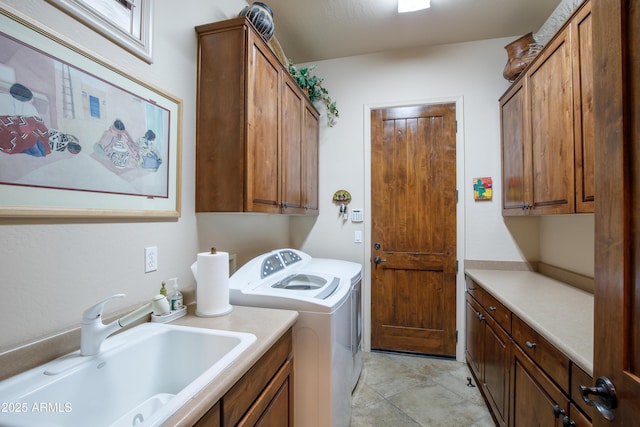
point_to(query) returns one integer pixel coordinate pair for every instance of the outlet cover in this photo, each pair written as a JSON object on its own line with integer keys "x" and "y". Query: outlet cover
{"x": 150, "y": 259}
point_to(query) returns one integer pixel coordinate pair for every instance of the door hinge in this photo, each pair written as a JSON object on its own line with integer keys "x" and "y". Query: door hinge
{"x": 456, "y": 336}
{"x": 456, "y": 126}
{"x": 456, "y": 266}
{"x": 456, "y": 196}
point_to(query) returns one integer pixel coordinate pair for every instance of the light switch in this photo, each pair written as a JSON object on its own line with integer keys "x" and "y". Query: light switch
{"x": 357, "y": 236}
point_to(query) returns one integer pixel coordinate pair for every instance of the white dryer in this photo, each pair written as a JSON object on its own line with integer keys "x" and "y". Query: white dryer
{"x": 326, "y": 337}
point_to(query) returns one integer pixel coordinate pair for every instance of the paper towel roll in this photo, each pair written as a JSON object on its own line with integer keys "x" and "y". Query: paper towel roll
{"x": 212, "y": 284}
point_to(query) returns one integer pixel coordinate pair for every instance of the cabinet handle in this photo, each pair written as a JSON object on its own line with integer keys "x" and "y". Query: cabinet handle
{"x": 558, "y": 411}
{"x": 530, "y": 344}
{"x": 568, "y": 422}
{"x": 480, "y": 316}
{"x": 492, "y": 308}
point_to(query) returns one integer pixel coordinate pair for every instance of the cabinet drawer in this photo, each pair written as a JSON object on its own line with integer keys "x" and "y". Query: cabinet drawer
{"x": 498, "y": 311}
{"x": 554, "y": 363}
{"x": 580, "y": 377}
{"x": 475, "y": 290}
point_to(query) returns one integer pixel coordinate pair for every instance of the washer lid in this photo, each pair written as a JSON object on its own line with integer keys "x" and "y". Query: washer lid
{"x": 301, "y": 283}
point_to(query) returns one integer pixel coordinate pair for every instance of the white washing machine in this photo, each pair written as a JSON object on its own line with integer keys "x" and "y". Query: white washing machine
{"x": 327, "y": 335}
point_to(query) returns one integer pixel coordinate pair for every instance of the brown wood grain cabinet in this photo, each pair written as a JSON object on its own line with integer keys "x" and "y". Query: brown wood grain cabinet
{"x": 547, "y": 127}
{"x": 524, "y": 379}
{"x": 252, "y": 127}
{"x": 488, "y": 347}
{"x": 263, "y": 396}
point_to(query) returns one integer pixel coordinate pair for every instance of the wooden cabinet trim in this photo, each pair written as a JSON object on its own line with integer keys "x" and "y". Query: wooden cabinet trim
{"x": 580, "y": 377}
{"x": 279, "y": 388}
{"x": 551, "y": 394}
{"x": 245, "y": 392}
{"x": 547, "y": 127}
{"x": 241, "y": 135}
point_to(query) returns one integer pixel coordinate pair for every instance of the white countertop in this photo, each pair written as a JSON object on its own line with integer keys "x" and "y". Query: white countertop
{"x": 561, "y": 313}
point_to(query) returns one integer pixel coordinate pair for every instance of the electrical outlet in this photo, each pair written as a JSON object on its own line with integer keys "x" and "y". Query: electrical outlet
{"x": 150, "y": 259}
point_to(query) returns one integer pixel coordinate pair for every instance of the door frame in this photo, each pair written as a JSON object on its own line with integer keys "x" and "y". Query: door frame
{"x": 460, "y": 216}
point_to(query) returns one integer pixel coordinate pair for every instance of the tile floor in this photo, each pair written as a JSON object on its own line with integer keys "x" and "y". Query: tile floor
{"x": 412, "y": 391}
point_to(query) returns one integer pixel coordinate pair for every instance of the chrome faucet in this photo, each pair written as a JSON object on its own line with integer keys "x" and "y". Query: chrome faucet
{"x": 94, "y": 332}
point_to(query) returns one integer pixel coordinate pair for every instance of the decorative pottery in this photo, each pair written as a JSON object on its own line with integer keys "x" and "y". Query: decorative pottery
{"x": 518, "y": 53}
{"x": 261, "y": 16}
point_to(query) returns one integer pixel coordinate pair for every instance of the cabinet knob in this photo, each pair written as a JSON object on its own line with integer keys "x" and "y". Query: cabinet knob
{"x": 568, "y": 422}
{"x": 530, "y": 344}
{"x": 558, "y": 411}
{"x": 480, "y": 316}
{"x": 492, "y": 308}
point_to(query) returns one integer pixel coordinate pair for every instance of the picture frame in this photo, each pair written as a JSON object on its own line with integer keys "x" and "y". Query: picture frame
{"x": 112, "y": 149}
{"x": 137, "y": 38}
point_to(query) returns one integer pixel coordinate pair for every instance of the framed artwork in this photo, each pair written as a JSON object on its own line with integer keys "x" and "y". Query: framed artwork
{"x": 127, "y": 23}
{"x": 79, "y": 137}
{"x": 482, "y": 189}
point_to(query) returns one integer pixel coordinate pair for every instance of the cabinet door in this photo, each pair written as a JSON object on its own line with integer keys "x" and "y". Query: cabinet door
{"x": 310, "y": 178}
{"x": 497, "y": 345}
{"x": 535, "y": 400}
{"x": 550, "y": 101}
{"x": 211, "y": 418}
{"x": 475, "y": 335}
{"x": 514, "y": 176}
{"x": 274, "y": 406}
{"x": 584, "y": 119}
{"x": 291, "y": 149}
{"x": 263, "y": 168}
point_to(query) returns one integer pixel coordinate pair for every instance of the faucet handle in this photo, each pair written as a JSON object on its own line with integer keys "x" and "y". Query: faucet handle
{"x": 95, "y": 311}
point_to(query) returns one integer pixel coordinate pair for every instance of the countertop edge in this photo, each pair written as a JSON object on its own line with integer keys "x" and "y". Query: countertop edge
{"x": 574, "y": 355}
{"x": 268, "y": 325}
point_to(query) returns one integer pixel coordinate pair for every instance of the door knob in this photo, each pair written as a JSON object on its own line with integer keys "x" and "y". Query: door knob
{"x": 378, "y": 260}
{"x": 606, "y": 400}
{"x": 376, "y": 245}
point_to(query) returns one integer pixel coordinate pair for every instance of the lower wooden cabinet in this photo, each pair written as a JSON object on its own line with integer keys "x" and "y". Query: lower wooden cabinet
{"x": 535, "y": 399}
{"x": 488, "y": 348}
{"x": 524, "y": 379}
{"x": 263, "y": 396}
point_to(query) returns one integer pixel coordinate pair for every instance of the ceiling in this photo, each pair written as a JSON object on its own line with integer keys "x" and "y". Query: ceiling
{"x": 314, "y": 30}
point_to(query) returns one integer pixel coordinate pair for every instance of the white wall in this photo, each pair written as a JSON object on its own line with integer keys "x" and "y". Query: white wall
{"x": 51, "y": 270}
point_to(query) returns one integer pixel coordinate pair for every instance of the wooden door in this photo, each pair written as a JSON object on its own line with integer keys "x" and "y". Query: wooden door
{"x": 551, "y": 129}
{"x": 497, "y": 346}
{"x": 263, "y": 169}
{"x": 515, "y": 167}
{"x": 616, "y": 46}
{"x": 413, "y": 186}
{"x": 475, "y": 339}
{"x": 291, "y": 148}
{"x": 581, "y": 34}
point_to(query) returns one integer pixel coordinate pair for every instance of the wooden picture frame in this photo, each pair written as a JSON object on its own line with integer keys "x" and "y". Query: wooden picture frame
{"x": 137, "y": 38}
{"x": 80, "y": 137}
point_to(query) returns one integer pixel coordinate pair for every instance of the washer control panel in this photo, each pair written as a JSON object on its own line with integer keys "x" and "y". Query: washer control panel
{"x": 290, "y": 257}
{"x": 271, "y": 265}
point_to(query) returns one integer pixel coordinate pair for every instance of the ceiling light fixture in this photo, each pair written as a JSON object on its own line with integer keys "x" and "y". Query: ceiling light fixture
{"x": 412, "y": 5}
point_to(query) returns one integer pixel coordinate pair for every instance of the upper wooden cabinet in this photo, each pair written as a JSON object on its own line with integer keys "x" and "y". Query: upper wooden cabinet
{"x": 547, "y": 127}
{"x": 256, "y": 131}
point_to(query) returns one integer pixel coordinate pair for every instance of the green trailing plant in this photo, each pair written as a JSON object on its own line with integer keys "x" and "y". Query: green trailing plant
{"x": 312, "y": 84}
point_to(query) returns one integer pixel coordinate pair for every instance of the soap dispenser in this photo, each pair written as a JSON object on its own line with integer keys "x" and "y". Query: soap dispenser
{"x": 176, "y": 298}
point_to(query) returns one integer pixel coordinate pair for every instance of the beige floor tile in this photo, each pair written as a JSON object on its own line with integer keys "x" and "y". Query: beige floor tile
{"x": 411, "y": 391}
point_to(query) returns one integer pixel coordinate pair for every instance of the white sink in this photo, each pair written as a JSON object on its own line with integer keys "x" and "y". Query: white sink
{"x": 141, "y": 377}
